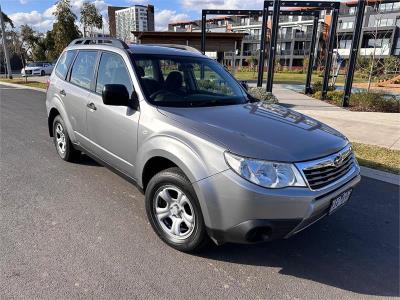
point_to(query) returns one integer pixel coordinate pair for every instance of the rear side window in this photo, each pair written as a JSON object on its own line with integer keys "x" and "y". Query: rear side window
{"x": 64, "y": 63}
{"x": 112, "y": 70}
{"x": 83, "y": 69}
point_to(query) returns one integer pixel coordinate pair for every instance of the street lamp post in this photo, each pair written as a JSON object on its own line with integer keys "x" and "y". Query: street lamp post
{"x": 3, "y": 35}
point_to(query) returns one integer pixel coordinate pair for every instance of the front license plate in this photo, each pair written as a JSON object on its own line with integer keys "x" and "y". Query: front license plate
{"x": 339, "y": 201}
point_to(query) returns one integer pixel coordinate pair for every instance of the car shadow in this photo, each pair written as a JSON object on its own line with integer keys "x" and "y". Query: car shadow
{"x": 356, "y": 249}
{"x": 87, "y": 161}
{"x": 287, "y": 105}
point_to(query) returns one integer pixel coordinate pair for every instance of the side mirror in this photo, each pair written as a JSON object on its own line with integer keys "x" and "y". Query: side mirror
{"x": 115, "y": 94}
{"x": 245, "y": 85}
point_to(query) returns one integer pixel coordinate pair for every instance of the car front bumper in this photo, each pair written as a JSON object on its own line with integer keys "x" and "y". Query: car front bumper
{"x": 236, "y": 210}
{"x": 28, "y": 73}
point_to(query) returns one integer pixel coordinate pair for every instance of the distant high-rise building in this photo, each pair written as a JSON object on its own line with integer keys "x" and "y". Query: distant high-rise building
{"x": 111, "y": 19}
{"x": 135, "y": 18}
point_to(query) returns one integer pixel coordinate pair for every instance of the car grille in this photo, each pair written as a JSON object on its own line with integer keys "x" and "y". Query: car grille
{"x": 324, "y": 172}
{"x": 28, "y": 72}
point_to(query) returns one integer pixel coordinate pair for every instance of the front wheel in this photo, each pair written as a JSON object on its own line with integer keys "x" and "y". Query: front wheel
{"x": 174, "y": 211}
{"x": 42, "y": 73}
{"x": 63, "y": 144}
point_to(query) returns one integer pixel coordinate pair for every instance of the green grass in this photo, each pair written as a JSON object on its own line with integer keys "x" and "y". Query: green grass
{"x": 290, "y": 78}
{"x": 35, "y": 84}
{"x": 379, "y": 158}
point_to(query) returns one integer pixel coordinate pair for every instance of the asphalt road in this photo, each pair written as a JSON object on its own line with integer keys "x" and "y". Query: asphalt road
{"x": 79, "y": 230}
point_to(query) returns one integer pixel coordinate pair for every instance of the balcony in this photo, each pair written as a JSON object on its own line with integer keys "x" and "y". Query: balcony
{"x": 252, "y": 38}
{"x": 303, "y": 35}
{"x": 249, "y": 53}
{"x": 366, "y": 51}
{"x": 251, "y": 23}
{"x": 301, "y": 51}
{"x": 285, "y": 36}
{"x": 284, "y": 52}
{"x": 246, "y": 53}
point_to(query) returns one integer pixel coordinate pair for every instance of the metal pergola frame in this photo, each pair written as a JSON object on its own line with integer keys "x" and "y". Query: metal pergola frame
{"x": 313, "y": 8}
{"x": 265, "y": 12}
{"x": 355, "y": 45}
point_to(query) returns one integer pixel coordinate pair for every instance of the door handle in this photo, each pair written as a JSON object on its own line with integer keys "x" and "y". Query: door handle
{"x": 91, "y": 106}
{"x": 62, "y": 92}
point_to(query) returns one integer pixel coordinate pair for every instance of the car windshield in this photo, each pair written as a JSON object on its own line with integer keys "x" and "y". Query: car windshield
{"x": 35, "y": 64}
{"x": 184, "y": 81}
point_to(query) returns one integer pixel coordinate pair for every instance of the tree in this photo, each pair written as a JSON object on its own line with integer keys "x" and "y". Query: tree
{"x": 29, "y": 39}
{"x": 380, "y": 45}
{"x": 391, "y": 64}
{"x": 49, "y": 45}
{"x": 64, "y": 28}
{"x": 39, "y": 51}
{"x": 17, "y": 46}
{"x": 6, "y": 20}
{"x": 90, "y": 18}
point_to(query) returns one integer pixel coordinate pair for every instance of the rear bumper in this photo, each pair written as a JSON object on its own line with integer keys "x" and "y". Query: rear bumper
{"x": 238, "y": 211}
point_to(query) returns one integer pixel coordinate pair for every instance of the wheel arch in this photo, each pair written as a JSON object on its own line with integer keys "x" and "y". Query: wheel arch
{"x": 57, "y": 108}
{"x": 153, "y": 166}
{"x": 52, "y": 115}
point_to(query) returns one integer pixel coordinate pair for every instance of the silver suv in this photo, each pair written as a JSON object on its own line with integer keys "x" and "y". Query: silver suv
{"x": 214, "y": 162}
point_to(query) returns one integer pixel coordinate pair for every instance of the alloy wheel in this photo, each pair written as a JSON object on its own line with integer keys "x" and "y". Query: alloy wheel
{"x": 60, "y": 138}
{"x": 174, "y": 212}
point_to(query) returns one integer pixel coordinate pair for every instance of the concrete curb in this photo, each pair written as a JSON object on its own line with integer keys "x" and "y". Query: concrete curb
{"x": 380, "y": 175}
{"x": 22, "y": 86}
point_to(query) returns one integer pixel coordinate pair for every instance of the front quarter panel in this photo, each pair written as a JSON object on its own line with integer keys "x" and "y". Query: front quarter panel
{"x": 161, "y": 136}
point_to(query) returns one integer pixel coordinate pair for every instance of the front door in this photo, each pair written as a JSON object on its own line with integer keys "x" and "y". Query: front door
{"x": 113, "y": 129}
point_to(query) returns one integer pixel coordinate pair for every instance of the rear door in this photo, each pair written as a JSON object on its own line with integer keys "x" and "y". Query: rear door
{"x": 113, "y": 129}
{"x": 76, "y": 91}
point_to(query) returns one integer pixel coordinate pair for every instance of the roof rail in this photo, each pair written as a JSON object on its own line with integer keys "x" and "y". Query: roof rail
{"x": 176, "y": 46}
{"x": 100, "y": 41}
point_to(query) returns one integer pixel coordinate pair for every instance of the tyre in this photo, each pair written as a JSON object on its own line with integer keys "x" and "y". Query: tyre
{"x": 174, "y": 211}
{"x": 63, "y": 144}
{"x": 42, "y": 73}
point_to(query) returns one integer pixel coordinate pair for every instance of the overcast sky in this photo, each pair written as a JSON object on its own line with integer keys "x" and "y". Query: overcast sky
{"x": 38, "y": 13}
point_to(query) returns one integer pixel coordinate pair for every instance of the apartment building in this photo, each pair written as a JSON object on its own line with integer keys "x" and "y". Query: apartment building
{"x": 380, "y": 33}
{"x": 111, "y": 19}
{"x": 294, "y": 38}
{"x": 135, "y": 18}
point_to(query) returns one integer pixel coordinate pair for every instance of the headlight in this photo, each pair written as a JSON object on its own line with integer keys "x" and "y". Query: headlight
{"x": 265, "y": 173}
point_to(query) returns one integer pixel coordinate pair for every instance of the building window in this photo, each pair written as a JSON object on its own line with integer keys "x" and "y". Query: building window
{"x": 345, "y": 44}
{"x": 386, "y": 7}
{"x": 379, "y": 41}
{"x": 347, "y": 25}
{"x": 383, "y": 22}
